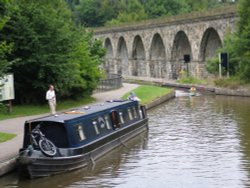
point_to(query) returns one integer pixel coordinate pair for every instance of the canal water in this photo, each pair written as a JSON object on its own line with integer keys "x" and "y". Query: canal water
{"x": 201, "y": 141}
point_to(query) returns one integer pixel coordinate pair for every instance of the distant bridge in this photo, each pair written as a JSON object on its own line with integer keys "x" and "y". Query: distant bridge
{"x": 156, "y": 48}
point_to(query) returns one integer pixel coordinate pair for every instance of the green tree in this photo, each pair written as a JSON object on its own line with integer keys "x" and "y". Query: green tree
{"x": 199, "y": 5}
{"x": 242, "y": 44}
{"x": 92, "y": 13}
{"x": 134, "y": 11}
{"x": 5, "y": 11}
{"x": 157, "y": 8}
{"x": 44, "y": 38}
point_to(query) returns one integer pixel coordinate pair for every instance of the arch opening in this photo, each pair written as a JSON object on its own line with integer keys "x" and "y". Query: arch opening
{"x": 181, "y": 47}
{"x": 209, "y": 44}
{"x": 138, "y": 58}
{"x": 122, "y": 57}
{"x": 109, "y": 65}
{"x": 157, "y": 64}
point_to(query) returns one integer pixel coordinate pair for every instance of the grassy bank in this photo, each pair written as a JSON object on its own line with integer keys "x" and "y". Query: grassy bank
{"x": 6, "y": 136}
{"x": 229, "y": 83}
{"x": 28, "y": 110}
{"x": 192, "y": 80}
{"x": 148, "y": 93}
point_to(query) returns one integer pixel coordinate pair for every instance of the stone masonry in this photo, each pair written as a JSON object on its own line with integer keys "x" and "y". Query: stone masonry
{"x": 156, "y": 49}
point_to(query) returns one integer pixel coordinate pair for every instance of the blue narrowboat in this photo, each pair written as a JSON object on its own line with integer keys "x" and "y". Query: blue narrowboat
{"x": 77, "y": 138}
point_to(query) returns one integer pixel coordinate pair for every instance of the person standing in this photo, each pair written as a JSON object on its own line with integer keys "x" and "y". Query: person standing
{"x": 51, "y": 97}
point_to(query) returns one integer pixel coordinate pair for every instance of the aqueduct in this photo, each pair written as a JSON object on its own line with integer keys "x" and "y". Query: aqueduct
{"x": 156, "y": 48}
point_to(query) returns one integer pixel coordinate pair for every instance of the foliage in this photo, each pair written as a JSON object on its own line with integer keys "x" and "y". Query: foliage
{"x": 212, "y": 66}
{"x": 191, "y": 80}
{"x": 134, "y": 11}
{"x": 50, "y": 49}
{"x": 242, "y": 43}
{"x": 148, "y": 93}
{"x": 5, "y": 11}
{"x": 5, "y": 49}
{"x": 6, "y": 136}
{"x": 199, "y": 5}
{"x": 3, "y": 108}
{"x": 229, "y": 47}
{"x": 238, "y": 44}
{"x": 87, "y": 55}
{"x": 232, "y": 83}
{"x": 94, "y": 13}
{"x": 157, "y": 8}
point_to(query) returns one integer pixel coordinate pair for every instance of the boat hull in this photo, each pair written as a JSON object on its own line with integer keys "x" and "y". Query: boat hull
{"x": 37, "y": 165}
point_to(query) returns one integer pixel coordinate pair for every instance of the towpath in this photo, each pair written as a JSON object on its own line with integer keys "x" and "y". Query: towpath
{"x": 9, "y": 149}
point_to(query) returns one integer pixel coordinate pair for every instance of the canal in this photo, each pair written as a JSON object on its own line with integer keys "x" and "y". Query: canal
{"x": 198, "y": 142}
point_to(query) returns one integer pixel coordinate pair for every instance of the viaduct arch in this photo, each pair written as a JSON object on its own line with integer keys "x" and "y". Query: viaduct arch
{"x": 156, "y": 49}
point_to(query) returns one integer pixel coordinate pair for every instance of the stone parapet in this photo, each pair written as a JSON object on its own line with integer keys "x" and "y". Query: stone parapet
{"x": 231, "y": 92}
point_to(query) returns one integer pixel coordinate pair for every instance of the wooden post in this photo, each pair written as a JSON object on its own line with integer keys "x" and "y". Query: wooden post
{"x": 10, "y": 107}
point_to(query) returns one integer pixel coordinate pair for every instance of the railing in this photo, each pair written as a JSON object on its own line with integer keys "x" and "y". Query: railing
{"x": 113, "y": 81}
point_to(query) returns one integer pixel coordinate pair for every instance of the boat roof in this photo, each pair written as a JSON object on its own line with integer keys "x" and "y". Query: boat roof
{"x": 83, "y": 111}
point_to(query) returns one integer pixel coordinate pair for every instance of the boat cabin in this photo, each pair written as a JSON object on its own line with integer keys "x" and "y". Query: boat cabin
{"x": 82, "y": 126}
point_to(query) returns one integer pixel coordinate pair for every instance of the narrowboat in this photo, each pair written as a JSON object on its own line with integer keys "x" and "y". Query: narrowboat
{"x": 77, "y": 138}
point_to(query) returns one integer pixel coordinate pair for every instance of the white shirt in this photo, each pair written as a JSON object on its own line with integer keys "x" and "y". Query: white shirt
{"x": 50, "y": 95}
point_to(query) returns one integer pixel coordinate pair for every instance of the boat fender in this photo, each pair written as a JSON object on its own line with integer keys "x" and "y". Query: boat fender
{"x": 30, "y": 150}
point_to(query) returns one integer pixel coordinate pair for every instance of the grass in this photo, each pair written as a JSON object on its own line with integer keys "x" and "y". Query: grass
{"x": 231, "y": 83}
{"x": 27, "y": 110}
{"x": 191, "y": 80}
{"x": 148, "y": 93}
{"x": 6, "y": 136}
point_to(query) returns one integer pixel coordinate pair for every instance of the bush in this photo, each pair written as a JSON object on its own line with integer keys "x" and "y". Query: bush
{"x": 231, "y": 83}
{"x": 3, "y": 108}
{"x": 191, "y": 80}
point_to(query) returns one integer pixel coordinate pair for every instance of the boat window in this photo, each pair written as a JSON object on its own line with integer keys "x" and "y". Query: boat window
{"x": 80, "y": 132}
{"x": 134, "y": 112}
{"x": 130, "y": 114}
{"x": 107, "y": 122}
{"x": 121, "y": 117}
{"x": 140, "y": 112}
{"x": 101, "y": 122}
{"x": 115, "y": 119}
{"x": 96, "y": 127}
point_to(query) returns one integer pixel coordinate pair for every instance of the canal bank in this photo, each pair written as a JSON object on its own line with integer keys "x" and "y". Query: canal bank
{"x": 241, "y": 92}
{"x": 9, "y": 149}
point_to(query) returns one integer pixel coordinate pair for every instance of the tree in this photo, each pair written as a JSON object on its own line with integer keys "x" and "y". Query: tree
{"x": 199, "y": 5}
{"x": 242, "y": 44}
{"x": 134, "y": 11}
{"x": 158, "y": 8}
{"x": 5, "y": 11}
{"x": 93, "y": 13}
{"x": 45, "y": 39}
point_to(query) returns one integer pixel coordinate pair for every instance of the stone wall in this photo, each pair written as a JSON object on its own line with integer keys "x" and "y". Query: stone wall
{"x": 156, "y": 50}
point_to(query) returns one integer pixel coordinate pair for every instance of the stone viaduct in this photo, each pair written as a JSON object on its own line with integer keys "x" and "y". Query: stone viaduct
{"x": 156, "y": 48}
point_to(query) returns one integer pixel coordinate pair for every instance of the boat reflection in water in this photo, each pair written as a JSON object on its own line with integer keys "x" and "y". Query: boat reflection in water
{"x": 77, "y": 138}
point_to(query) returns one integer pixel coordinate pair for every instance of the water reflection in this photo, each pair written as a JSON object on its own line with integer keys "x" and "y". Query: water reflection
{"x": 192, "y": 142}
{"x": 98, "y": 176}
